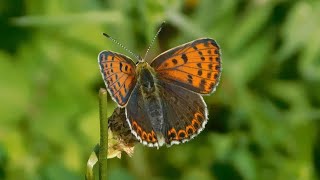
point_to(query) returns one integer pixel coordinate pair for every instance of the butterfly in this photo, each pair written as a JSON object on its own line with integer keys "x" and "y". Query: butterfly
{"x": 163, "y": 100}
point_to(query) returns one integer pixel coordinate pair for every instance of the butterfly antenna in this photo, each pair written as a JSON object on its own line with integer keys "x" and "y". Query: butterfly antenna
{"x": 154, "y": 39}
{"x": 119, "y": 44}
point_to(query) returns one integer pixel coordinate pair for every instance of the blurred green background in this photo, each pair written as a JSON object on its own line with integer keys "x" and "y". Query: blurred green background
{"x": 264, "y": 117}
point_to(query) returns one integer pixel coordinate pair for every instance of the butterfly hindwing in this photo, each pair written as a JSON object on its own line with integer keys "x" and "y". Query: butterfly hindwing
{"x": 138, "y": 119}
{"x": 195, "y": 65}
{"x": 186, "y": 113}
{"x": 119, "y": 75}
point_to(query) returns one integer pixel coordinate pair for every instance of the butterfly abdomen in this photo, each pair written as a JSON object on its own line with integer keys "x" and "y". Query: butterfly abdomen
{"x": 153, "y": 105}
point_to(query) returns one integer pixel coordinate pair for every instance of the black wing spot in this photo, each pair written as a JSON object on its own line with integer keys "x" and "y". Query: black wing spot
{"x": 211, "y": 85}
{"x": 172, "y": 136}
{"x": 174, "y": 61}
{"x": 209, "y": 75}
{"x": 125, "y": 88}
{"x": 185, "y": 58}
{"x": 200, "y": 72}
{"x": 217, "y": 67}
{"x": 218, "y": 59}
{"x": 182, "y": 134}
{"x": 121, "y": 67}
{"x": 202, "y": 83}
{"x": 199, "y": 65}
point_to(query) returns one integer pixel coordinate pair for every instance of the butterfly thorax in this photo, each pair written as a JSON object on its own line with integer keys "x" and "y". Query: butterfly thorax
{"x": 147, "y": 82}
{"x": 146, "y": 79}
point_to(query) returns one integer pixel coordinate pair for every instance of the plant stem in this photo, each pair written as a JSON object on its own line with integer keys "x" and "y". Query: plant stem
{"x": 103, "y": 150}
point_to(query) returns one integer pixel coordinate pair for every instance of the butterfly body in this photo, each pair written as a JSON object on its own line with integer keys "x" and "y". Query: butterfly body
{"x": 151, "y": 100}
{"x": 163, "y": 99}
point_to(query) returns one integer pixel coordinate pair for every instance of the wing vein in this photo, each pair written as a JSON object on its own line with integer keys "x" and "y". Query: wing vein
{"x": 118, "y": 90}
{"x": 117, "y": 80}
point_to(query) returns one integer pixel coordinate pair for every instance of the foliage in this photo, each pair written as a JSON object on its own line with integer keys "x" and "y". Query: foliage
{"x": 264, "y": 117}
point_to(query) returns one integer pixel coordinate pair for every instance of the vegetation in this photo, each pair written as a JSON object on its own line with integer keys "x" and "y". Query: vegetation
{"x": 264, "y": 117}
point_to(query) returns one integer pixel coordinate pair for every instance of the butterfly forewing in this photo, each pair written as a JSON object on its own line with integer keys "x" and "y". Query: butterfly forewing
{"x": 119, "y": 75}
{"x": 195, "y": 65}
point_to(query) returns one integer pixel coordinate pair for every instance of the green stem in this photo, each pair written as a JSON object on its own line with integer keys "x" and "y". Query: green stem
{"x": 103, "y": 150}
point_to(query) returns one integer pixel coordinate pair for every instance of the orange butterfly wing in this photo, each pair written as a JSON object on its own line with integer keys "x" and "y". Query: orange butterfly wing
{"x": 118, "y": 72}
{"x": 195, "y": 65}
